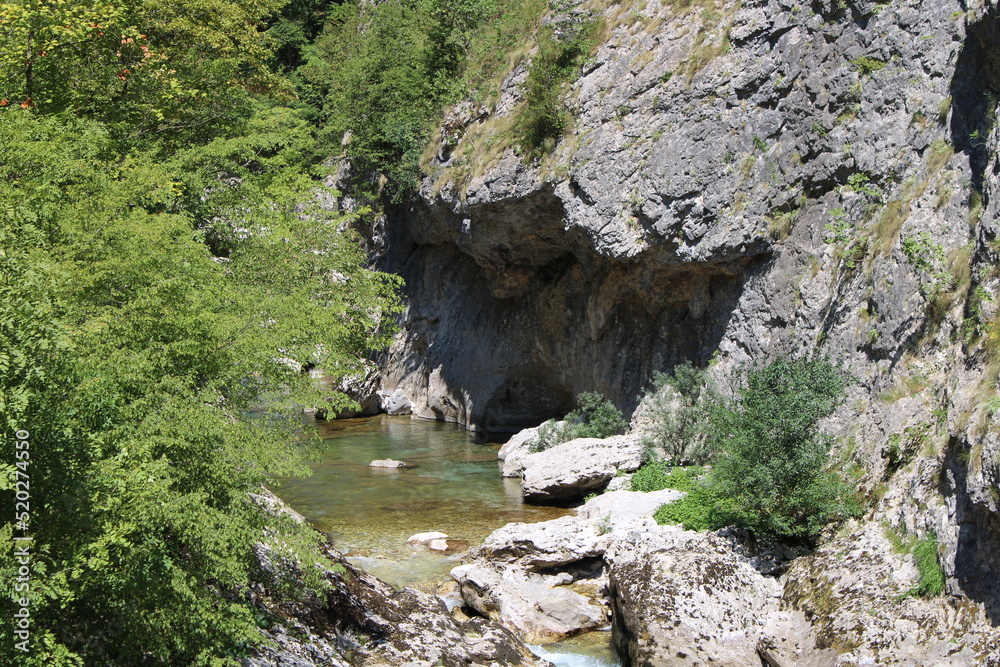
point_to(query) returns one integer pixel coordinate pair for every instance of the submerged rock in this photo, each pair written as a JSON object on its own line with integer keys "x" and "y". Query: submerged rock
{"x": 426, "y": 538}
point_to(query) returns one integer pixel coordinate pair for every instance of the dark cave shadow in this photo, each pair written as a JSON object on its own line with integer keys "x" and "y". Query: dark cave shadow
{"x": 975, "y": 89}
{"x": 644, "y": 329}
{"x": 977, "y": 558}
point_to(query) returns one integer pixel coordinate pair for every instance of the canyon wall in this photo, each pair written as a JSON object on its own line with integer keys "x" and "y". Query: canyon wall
{"x": 740, "y": 181}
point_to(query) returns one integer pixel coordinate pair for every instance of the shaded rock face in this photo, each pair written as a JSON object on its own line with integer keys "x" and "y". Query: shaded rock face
{"x": 765, "y": 179}
{"x": 500, "y": 347}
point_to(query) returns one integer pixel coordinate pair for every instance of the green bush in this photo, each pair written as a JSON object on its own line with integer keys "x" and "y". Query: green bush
{"x": 545, "y": 117}
{"x": 594, "y": 417}
{"x": 657, "y": 475}
{"x": 698, "y": 510}
{"x": 771, "y": 473}
{"x": 550, "y": 434}
{"x": 651, "y": 476}
{"x": 678, "y": 408}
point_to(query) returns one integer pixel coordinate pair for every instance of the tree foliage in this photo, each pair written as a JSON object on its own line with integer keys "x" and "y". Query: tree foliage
{"x": 380, "y": 73}
{"x": 170, "y": 71}
{"x": 677, "y": 410}
{"x": 771, "y": 473}
{"x": 166, "y": 269}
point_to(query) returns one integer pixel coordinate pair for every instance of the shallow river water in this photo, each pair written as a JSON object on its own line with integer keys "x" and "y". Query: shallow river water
{"x": 452, "y": 485}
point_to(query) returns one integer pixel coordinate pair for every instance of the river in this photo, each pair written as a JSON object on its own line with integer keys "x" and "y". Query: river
{"x": 451, "y": 485}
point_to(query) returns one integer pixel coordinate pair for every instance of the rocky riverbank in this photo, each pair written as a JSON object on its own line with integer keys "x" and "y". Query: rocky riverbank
{"x": 360, "y": 621}
{"x": 741, "y": 181}
{"x": 677, "y": 597}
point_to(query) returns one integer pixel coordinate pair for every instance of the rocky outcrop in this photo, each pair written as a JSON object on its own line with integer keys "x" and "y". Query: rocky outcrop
{"x": 740, "y": 181}
{"x": 533, "y": 606}
{"x": 513, "y": 452}
{"x": 683, "y": 598}
{"x": 574, "y": 468}
{"x": 858, "y": 591}
{"x": 547, "y": 580}
{"x": 360, "y": 621}
{"x": 363, "y": 622}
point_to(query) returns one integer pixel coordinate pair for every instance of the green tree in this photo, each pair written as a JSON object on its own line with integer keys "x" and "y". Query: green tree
{"x": 771, "y": 472}
{"x": 678, "y": 408}
{"x": 180, "y": 71}
{"x": 595, "y": 417}
{"x": 379, "y": 75}
{"x": 159, "y": 382}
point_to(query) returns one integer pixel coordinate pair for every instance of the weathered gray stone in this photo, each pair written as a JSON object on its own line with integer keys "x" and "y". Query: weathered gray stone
{"x": 362, "y": 622}
{"x": 684, "y": 598}
{"x": 856, "y": 591}
{"x": 513, "y": 452}
{"x": 526, "y": 603}
{"x": 386, "y": 463}
{"x": 396, "y": 403}
{"x": 573, "y": 468}
{"x": 620, "y": 505}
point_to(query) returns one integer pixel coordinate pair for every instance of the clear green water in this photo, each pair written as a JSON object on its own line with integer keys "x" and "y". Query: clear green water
{"x": 453, "y": 486}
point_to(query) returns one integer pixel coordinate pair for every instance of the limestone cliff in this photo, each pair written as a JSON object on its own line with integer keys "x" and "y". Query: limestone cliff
{"x": 741, "y": 180}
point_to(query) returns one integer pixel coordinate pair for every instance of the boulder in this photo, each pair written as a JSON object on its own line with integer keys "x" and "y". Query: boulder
{"x": 543, "y": 545}
{"x": 685, "y": 598}
{"x": 620, "y": 505}
{"x": 522, "y": 573}
{"x": 426, "y": 538}
{"x": 361, "y": 388}
{"x": 513, "y": 451}
{"x": 527, "y": 603}
{"x": 573, "y": 468}
{"x": 396, "y": 403}
{"x": 386, "y": 463}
